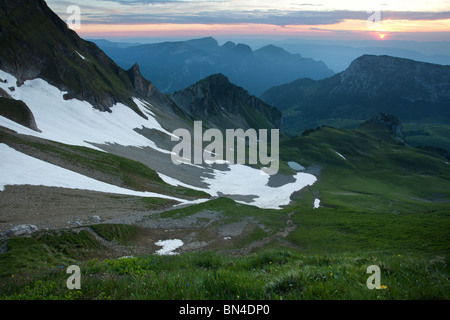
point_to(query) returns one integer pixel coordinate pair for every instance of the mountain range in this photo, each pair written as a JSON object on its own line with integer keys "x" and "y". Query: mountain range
{"x": 338, "y": 55}
{"x": 173, "y": 66}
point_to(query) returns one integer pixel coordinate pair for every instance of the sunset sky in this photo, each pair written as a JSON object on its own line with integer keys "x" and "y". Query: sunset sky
{"x": 324, "y": 19}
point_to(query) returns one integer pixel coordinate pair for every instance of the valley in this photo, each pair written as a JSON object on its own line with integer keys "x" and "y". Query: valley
{"x": 87, "y": 176}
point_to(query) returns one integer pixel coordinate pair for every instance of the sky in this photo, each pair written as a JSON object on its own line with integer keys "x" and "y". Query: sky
{"x": 323, "y": 19}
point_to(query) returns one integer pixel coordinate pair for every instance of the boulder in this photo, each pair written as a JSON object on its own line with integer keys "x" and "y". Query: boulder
{"x": 20, "y": 230}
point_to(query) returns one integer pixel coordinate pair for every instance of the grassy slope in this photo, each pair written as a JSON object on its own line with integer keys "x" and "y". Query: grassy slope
{"x": 437, "y": 135}
{"x": 417, "y": 134}
{"x": 387, "y": 205}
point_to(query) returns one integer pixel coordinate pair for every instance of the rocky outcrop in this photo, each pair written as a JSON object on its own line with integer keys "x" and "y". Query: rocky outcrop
{"x": 17, "y": 111}
{"x": 20, "y": 230}
{"x": 388, "y": 121}
{"x": 141, "y": 86}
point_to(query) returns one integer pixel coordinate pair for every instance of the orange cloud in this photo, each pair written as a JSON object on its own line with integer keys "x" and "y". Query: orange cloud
{"x": 358, "y": 26}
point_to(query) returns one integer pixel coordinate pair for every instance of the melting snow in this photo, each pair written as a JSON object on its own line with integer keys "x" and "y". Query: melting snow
{"x": 247, "y": 181}
{"x": 80, "y": 55}
{"x": 340, "y": 155}
{"x": 296, "y": 166}
{"x": 20, "y": 169}
{"x": 168, "y": 246}
{"x": 244, "y": 180}
{"x": 177, "y": 183}
{"x": 76, "y": 122}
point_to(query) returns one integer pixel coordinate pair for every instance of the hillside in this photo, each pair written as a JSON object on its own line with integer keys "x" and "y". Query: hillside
{"x": 87, "y": 179}
{"x": 373, "y": 210}
{"x": 44, "y": 107}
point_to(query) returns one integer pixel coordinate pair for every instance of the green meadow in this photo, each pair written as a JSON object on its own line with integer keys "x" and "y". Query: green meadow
{"x": 385, "y": 204}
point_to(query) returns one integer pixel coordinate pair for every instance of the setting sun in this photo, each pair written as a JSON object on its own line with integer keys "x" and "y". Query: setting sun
{"x": 382, "y": 36}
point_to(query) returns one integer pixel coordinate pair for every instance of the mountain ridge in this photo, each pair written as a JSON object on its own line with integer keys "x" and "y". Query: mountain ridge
{"x": 413, "y": 91}
{"x": 173, "y": 66}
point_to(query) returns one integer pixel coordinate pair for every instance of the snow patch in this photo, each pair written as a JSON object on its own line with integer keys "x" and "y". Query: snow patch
{"x": 168, "y": 246}
{"x": 17, "y": 168}
{"x": 244, "y": 180}
{"x": 316, "y": 204}
{"x": 340, "y": 155}
{"x": 81, "y": 56}
{"x": 176, "y": 183}
{"x": 218, "y": 161}
{"x": 76, "y": 122}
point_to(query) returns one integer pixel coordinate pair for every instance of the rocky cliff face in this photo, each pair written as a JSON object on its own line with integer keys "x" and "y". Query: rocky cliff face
{"x": 141, "y": 86}
{"x": 226, "y": 105}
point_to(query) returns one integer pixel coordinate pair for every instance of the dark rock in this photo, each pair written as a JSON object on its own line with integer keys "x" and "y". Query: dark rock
{"x": 17, "y": 111}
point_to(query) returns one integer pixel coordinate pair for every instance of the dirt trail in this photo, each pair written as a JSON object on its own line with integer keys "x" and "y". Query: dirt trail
{"x": 58, "y": 208}
{"x": 290, "y": 227}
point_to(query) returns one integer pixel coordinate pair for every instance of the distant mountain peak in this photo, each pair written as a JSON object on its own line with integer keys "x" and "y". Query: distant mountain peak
{"x": 218, "y": 78}
{"x": 272, "y": 50}
{"x": 244, "y": 48}
{"x": 206, "y": 42}
{"x": 229, "y": 45}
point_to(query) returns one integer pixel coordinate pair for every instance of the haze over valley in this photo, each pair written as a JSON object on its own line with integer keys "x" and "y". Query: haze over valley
{"x": 355, "y": 121}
